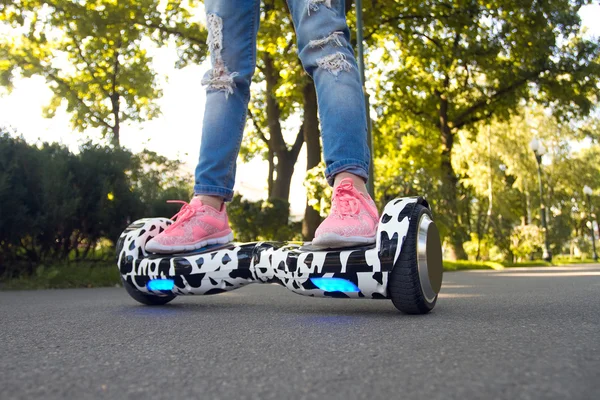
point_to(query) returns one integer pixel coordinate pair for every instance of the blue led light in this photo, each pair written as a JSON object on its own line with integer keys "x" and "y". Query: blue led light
{"x": 334, "y": 285}
{"x": 160, "y": 284}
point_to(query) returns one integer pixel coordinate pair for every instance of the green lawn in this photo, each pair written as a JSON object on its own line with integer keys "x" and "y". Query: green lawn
{"x": 105, "y": 273}
{"x": 72, "y": 275}
{"x": 466, "y": 265}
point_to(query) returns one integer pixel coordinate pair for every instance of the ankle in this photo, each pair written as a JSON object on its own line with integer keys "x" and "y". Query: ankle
{"x": 357, "y": 181}
{"x": 214, "y": 201}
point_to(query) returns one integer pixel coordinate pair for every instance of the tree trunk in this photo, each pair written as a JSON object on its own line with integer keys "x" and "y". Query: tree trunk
{"x": 271, "y": 172}
{"x": 284, "y": 170}
{"x": 312, "y": 138}
{"x": 490, "y": 210}
{"x": 528, "y": 205}
{"x": 285, "y": 158}
{"x": 280, "y": 188}
{"x": 116, "y": 140}
{"x": 115, "y": 99}
{"x": 451, "y": 206}
{"x": 479, "y": 234}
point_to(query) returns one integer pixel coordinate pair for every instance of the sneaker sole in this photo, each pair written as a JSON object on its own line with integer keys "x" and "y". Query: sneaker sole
{"x": 333, "y": 240}
{"x": 158, "y": 248}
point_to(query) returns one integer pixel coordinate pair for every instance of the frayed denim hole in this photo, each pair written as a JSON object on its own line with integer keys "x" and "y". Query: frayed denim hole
{"x": 333, "y": 38}
{"x": 334, "y": 63}
{"x": 314, "y": 5}
{"x": 218, "y": 79}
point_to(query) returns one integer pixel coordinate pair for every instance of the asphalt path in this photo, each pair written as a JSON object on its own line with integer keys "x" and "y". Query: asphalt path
{"x": 514, "y": 334}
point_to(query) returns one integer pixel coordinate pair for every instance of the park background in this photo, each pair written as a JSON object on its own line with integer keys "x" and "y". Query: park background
{"x": 102, "y": 105}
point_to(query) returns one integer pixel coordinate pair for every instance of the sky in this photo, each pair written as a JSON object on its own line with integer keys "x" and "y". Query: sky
{"x": 176, "y": 133}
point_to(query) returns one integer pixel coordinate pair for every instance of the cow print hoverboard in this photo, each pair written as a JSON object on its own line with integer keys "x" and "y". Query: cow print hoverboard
{"x": 404, "y": 265}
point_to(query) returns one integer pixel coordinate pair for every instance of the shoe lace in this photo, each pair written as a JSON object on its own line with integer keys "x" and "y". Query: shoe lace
{"x": 185, "y": 213}
{"x": 345, "y": 200}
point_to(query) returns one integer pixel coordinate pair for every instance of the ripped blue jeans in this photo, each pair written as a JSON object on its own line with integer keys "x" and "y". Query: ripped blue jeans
{"x": 326, "y": 55}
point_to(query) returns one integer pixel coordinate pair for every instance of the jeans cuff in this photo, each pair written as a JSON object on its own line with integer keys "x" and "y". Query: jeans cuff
{"x": 353, "y": 166}
{"x": 208, "y": 190}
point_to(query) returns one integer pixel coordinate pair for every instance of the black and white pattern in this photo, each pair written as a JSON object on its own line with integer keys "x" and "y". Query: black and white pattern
{"x": 227, "y": 267}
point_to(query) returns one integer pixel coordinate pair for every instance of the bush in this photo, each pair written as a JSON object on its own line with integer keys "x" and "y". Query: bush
{"x": 525, "y": 240}
{"x": 262, "y": 220}
{"x": 54, "y": 202}
{"x": 486, "y": 249}
{"x": 56, "y": 205}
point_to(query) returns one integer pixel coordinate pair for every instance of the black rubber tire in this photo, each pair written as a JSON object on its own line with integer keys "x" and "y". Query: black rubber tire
{"x": 144, "y": 298}
{"x": 404, "y": 285}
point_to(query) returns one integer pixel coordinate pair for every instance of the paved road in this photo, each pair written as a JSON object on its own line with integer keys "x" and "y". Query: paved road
{"x": 516, "y": 334}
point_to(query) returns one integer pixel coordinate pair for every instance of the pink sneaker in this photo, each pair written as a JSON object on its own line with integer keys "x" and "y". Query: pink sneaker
{"x": 196, "y": 225}
{"x": 353, "y": 219}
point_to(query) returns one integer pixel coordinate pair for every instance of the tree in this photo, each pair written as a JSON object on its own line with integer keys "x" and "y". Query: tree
{"x": 288, "y": 94}
{"x": 312, "y": 138}
{"x": 92, "y": 54}
{"x": 496, "y": 164}
{"x": 457, "y": 64}
{"x": 281, "y": 97}
{"x": 278, "y": 99}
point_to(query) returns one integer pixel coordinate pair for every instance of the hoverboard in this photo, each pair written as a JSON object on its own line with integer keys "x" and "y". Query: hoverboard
{"x": 404, "y": 265}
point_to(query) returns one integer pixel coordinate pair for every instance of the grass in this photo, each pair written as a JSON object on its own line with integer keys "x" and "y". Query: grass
{"x": 72, "y": 275}
{"x": 467, "y": 265}
{"x": 498, "y": 265}
{"x": 567, "y": 260}
{"x": 495, "y": 265}
{"x": 105, "y": 273}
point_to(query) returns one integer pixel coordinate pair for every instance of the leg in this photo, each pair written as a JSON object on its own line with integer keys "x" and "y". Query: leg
{"x": 232, "y": 43}
{"x": 326, "y": 54}
{"x": 232, "y": 28}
